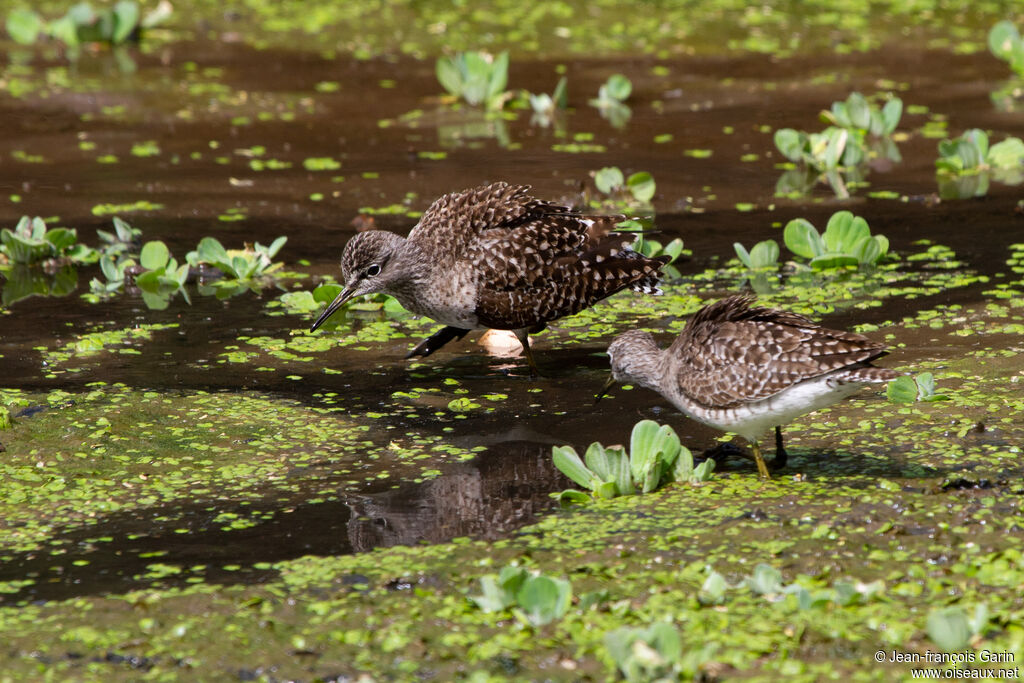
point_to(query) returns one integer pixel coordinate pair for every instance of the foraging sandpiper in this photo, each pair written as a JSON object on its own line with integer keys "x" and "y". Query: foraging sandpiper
{"x": 742, "y": 370}
{"x": 495, "y": 257}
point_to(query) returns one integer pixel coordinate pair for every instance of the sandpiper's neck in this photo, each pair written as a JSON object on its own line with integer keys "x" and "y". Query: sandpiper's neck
{"x": 409, "y": 269}
{"x": 647, "y": 364}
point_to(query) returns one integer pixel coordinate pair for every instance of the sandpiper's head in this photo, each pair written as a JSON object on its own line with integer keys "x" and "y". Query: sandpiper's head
{"x": 634, "y": 357}
{"x": 368, "y": 266}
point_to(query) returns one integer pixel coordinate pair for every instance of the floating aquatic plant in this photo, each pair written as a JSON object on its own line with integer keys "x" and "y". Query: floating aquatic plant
{"x": 764, "y": 254}
{"x": 476, "y": 77}
{"x": 546, "y": 106}
{"x": 611, "y": 100}
{"x": 31, "y": 242}
{"x": 84, "y": 24}
{"x": 123, "y": 237}
{"x": 862, "y": 117}
{"x": 953, "y": 630}
{"x": 844, "y": 143}
{"x": 653, "y": 653}
{"x": 971, "y": 153}
{"x": 615, "y": 90}
{"x": 327, "y": 292}
{"x": 1004, "y": 41}
{"x": 655, "y": 457}
{"x": 535, "y": 599}
{"x": 847, "y": 241}
{"x": 907, "y": 389}
{"x": 162, "y": 276}
{"x": 966, "y": 162}
{"x": 152, "y": 269}
{"x": 859, "y": 130}
{"x": 117, "y": 271}
{"x": 637, "y": 189}
{"x": 237, "y": 264}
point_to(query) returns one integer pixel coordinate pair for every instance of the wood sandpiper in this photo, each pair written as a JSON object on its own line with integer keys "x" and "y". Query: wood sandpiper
{"x": 743, "y": 370}
{"x": 495, "y": 257}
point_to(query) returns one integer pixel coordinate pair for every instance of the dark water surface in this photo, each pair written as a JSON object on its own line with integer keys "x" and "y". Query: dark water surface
{"x": 186, "y": 97}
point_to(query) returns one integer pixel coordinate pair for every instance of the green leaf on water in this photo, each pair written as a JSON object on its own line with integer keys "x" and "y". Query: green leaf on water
{"x": 448, "y": 75}
{"x": 743, "y": 254}
{"x": 891, "y": 114}
{"x": 652, "y": 448}
{"x": 327, "y": 292}
{"x": 462, "y": 405}
{"x": 498, "y": 76}
{"x": 682, "y": 469}
{"x": 607, "y": 490}
{"x": 619, "y": 87}
{"x": 702, "y": 472}
{"x": 836, "y": 145}
{"x": 949, "y": 629}
{"x": 802, "y": 239}
{"x": 109, "y": 268}
{"x": 609, "y": 179}
{"x": 1008, "y": 154}
{"x": 126, "y": 18}
{"x": 568, "y": 463}
{"x": 1003, "y": 40}
{"x": 926, "y": 388}
{"x": 154, "y": 255}
{"x": 859, "y": 110}
{"x": 561, "y": 95}
{"x": 61, "y": 238}
{"x": 790, "y": 142}
{"x": 765, "y": 254}
{"x": 843, "y": 230}
{"x": 766, "y": 580}
{"x": 493, "y": 597}
{"x": 573, "y": 497}
{"x": 642, "y": 186}
{"x": 543, "y": 599}
{"x": 713, "y": 590}
{"x": 903, "y": 389}
{"x": 24, "y": 25}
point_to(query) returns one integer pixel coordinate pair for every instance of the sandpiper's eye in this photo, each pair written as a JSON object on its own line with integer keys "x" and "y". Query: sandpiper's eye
{"x": 373, "y": 270}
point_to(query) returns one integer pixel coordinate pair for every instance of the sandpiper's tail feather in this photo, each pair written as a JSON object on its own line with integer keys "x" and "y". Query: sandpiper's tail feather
{"x": 650, "y": 284}
{"x": 866, "y": 373}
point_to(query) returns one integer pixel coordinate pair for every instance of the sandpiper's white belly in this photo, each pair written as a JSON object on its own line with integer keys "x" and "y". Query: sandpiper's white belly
{"x": 752, "y": 420}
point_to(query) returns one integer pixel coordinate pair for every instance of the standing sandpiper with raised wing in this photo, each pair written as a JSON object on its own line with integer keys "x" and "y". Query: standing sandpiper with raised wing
{"x": 495, "y": 257}
{"x": 744, "y": 370}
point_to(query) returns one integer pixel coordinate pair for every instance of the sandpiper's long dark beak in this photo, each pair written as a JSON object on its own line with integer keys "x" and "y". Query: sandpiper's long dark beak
{"x": 605, "y": 389}
{"x": 338, "y": 302}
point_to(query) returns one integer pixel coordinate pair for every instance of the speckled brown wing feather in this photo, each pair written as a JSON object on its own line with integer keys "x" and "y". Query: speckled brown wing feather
{"x": 730, "y": 353}
{"x": 558, "y": 295}
{"x": 456, "y": 220}
{"x": 553, "y": 266}
{"x": 533, "y": 261}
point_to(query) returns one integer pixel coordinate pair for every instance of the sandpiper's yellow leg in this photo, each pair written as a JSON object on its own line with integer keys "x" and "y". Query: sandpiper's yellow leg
{"x": 762, "y": 468}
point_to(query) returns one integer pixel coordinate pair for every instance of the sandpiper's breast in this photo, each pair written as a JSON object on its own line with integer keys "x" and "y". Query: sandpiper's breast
{"x": 447, "y": 298}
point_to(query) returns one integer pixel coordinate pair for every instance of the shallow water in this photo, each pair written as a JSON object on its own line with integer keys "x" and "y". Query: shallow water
{"x": 189, "y": 97}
